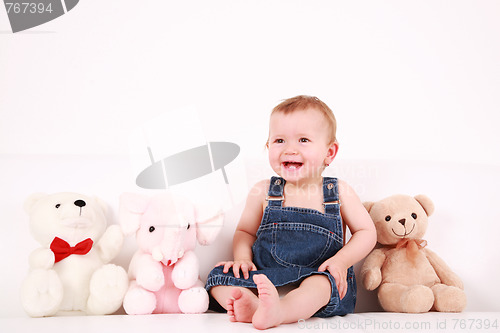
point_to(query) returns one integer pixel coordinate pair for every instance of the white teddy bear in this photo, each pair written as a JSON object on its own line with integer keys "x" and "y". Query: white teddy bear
{"x": 70, "y": 271}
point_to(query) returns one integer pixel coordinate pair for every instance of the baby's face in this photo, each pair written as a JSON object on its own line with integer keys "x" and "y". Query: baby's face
{"x": 299, "y": 144}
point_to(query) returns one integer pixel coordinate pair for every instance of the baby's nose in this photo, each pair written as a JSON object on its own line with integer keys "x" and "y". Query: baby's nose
{"x": 291, "y": 150}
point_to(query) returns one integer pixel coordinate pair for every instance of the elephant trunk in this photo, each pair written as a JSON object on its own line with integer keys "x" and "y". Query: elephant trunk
{"x": 171, "y": 248}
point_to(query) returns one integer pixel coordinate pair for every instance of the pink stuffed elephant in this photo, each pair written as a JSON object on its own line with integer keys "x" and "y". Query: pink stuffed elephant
{"x": 164, "y": 272}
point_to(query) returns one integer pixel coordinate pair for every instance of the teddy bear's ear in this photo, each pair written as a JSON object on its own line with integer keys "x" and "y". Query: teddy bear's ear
{"x": 30, "y": 202}
{"x": 132, "y": 206}
{"x": 101, "y": 204}
{"x": 368, "y": 205}
{"x": 426, "y": 203}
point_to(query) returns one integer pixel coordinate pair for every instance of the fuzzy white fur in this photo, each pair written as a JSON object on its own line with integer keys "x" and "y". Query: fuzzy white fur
{"x": 80, "y": 282}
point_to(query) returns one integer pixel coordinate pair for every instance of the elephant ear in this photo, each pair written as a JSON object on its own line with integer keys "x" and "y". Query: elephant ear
{"x": 132, "y": 207}
{"x": 209, "y": 221}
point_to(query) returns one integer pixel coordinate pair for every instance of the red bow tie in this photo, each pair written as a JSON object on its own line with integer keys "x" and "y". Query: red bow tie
{"x": 62, "y": 249}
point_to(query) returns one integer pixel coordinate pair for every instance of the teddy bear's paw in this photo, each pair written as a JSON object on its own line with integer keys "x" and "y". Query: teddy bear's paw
{"x": 372, "y": 279}
{"x": 111, "y": 242}
{"x": 395, "y": 297}
{"x": 42, "y": 258}
{"x": 139, "y": 301}
{"x": 41, "y": 293}
{"x": 193, "y": 300}
{"x": 417, "y": 299}
{"x": 448, "y": 298}
{"x": 108, "y": 286}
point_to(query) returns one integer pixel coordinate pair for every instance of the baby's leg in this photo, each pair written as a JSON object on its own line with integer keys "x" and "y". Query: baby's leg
{"x": 301, "y": 303}
{"x": 240, "y": 303}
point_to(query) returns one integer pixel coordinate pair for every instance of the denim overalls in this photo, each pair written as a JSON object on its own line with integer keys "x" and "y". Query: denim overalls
{"x": 292, "y": 243}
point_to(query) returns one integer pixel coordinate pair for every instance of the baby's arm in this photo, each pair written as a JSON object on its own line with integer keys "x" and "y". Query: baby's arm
{"x": 364, "y": 237}
{"x": 245, "y": 234}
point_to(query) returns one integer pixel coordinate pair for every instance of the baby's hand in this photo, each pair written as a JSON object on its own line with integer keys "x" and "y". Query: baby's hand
{"x": 244, "y": 265}
{"x": 339, "y": 272}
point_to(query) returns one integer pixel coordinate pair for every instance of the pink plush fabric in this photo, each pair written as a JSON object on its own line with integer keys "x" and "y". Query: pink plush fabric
{"x": 164, "y": 272}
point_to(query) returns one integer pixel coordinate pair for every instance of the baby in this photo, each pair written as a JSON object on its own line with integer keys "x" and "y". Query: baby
{"x": 291, "y": 232}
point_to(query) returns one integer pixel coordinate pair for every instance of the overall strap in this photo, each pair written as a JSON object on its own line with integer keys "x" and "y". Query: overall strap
{"x": 331, "y": 195}
{"x": 275, "y": 195}
{"x": 331, "y": 201}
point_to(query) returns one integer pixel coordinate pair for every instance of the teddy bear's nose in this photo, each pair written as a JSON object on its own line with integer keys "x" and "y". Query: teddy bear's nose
{"x": 80, "y": 203}
{"x": 402, "y": 221}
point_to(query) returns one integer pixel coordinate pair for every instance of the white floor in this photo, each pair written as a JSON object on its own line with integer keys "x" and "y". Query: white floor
{"x": 219, "y": 323}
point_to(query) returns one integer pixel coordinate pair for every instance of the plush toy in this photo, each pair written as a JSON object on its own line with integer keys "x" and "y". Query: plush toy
{"x": 410, "y": 277}
{"x": 164, "y": 271}
{"x": 70, "y": 271}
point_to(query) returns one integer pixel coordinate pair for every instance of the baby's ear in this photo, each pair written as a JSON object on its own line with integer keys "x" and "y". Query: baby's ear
{"x": 368, "y": 205}
{"x": 332, "y": 152}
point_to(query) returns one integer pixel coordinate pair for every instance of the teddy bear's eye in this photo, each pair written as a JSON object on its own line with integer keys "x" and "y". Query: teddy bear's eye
{"x": 151, "y": 229}
{"x": 414, "y": 215}
{"x": 388, "y": 218}
{"x": 58, "y": 205}
{"x": 188, "y": 226}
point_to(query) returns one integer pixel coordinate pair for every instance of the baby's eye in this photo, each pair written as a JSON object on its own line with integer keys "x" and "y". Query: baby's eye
{"x": 303, "y": 140}
{"x": 279, "y": 141}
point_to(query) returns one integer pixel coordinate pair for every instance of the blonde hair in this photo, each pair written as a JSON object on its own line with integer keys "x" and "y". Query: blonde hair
{"x": 303, "y": 102}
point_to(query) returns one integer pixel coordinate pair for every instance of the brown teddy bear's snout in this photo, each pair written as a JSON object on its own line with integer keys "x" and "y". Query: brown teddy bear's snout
{"x": 403, "y": 232}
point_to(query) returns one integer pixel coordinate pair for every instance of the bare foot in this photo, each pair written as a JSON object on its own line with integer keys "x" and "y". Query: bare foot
{"x": 268, "y": 313}
{"x": 242, "y": 305}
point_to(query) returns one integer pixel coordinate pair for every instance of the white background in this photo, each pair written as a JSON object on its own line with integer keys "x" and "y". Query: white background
{"x": 406, "y": 79}
{"x": 409, "y": 81}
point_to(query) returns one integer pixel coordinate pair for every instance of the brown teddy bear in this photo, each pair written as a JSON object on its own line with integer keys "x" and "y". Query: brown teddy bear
{"x": 410, "y": 277}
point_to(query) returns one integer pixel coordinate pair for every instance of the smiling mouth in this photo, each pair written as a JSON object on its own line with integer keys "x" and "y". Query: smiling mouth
{"x": 406, "y": 234}
{"x": 292, "y": 165}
